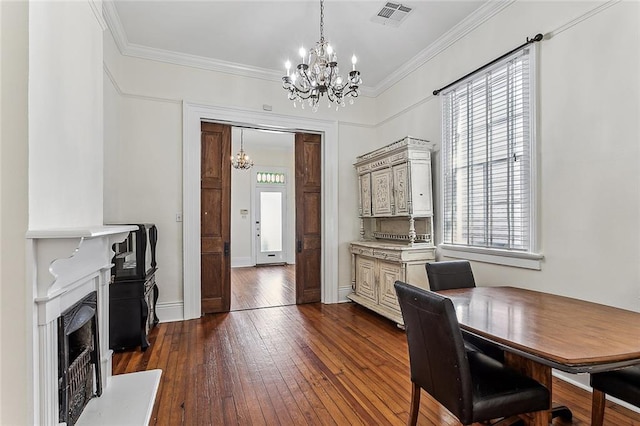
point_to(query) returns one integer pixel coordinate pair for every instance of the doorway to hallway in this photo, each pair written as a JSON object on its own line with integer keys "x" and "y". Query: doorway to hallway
{"x": 318, "y": 156}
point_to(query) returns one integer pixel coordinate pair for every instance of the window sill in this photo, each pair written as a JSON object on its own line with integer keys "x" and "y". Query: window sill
{"x": 497, "y": 256}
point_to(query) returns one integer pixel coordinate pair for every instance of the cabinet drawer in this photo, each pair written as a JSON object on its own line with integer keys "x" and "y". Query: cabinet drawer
{"x": 365, "y": 251}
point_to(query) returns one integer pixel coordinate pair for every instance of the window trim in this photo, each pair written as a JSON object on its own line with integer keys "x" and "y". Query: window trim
{"x": 528, "y": 259}
{"x": 518, "y": 259}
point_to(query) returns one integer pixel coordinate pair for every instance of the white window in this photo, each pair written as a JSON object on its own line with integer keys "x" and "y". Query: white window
{"x": 488, "y": 164}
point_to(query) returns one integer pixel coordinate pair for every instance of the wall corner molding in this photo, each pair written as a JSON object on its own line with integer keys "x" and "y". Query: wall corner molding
{"x": 96, "y": 7}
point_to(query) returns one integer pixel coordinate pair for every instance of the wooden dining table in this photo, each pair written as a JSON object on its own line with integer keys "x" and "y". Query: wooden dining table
{"x": 540, "y": 331}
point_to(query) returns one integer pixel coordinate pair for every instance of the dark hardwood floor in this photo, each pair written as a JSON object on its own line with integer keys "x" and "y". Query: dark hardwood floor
{"x": 263, "y": 286}
{"x": 301, "y": 364}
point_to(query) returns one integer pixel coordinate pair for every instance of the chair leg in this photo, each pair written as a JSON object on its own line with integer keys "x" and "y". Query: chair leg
{"x": 415, "y": 405}
{"x": 597, "y": 408}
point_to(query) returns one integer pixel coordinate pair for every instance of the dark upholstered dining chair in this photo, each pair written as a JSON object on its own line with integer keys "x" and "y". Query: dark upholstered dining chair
{"x": 471, "y": 385}
{"x": 450, "y": 274}
{"x": 622, "y": 384}
{"x": 458, "y": 274}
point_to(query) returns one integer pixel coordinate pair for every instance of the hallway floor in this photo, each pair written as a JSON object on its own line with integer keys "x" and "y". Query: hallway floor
{"x": 263, "y": 286}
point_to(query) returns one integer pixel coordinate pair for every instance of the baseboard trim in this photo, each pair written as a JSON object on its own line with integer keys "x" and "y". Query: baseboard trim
{"x": 170, "y": 312}
{"x": 343, "y": 292}
{"x": 241, "y": 262}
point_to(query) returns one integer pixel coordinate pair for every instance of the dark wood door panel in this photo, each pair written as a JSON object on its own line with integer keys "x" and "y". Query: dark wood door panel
{"x": 310, "y": 281}
{"x": 211, "y": 245}
{"x": 211, "y": 271}
{"x": 213, "y": 142}
{"x": 311, "y": 242}
{"x": 308, "y": 213}
{"x": 210, "y": 216}
{"x": 215, "y": 218}
{"x": 308, "y": 164}
{"x": 311, "y": 208}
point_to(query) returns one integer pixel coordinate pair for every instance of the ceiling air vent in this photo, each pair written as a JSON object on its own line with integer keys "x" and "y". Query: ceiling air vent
{"x": 392, "y": 14}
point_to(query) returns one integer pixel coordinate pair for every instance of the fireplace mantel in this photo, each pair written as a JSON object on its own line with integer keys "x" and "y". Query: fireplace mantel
{"x": 63, "y": 266}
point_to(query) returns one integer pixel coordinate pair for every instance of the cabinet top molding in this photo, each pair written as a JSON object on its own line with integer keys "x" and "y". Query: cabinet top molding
{"x": 408, "y": 142}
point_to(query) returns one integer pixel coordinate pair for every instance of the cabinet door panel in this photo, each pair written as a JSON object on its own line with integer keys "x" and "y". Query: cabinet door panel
{"x": 365, "y": 278}
{"x": 389, "y": 273}
{"x": 400, "y": 189}
{"x": 381, "y": 186}
{"x": 420, "y": 182}
{"x": 365, "y": 194}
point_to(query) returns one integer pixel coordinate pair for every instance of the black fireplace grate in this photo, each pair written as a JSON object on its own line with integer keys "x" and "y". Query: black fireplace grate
{"x": 78, "y": 359}
{"x": 80, "y": 386}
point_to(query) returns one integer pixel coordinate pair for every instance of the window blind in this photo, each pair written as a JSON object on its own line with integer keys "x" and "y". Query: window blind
{"x": 487, "y": 157}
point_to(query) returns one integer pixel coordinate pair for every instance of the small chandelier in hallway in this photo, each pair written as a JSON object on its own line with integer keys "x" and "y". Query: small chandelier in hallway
{"x": 241, "y": 161}
{"x": 317, "y": 75}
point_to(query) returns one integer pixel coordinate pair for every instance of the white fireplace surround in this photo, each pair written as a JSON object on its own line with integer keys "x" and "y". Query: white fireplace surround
{"x": 63, "y": 266}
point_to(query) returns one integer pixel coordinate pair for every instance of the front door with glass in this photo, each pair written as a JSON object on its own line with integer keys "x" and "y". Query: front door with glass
{"x": 270, "y": 225}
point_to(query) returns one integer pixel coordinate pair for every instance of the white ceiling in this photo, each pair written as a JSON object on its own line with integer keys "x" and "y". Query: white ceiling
{"x": 257, "y": 37}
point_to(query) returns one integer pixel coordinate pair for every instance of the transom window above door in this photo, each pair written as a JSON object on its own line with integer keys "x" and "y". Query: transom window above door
{"x": 270, "y": 178}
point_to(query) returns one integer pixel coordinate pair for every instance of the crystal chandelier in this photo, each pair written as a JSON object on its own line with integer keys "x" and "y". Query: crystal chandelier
{"x": 319, "y": 75}
{"x": 241, "y": 161}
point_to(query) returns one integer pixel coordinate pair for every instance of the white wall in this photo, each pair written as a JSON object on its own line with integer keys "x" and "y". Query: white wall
{"x": 65, "y": 115}
{"x": 13, "y": 211}
{"x": 355, "y": 140}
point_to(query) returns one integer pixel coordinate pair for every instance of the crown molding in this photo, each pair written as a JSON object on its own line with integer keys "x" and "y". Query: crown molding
{"x": 482, "y": 14}
{"x": 464, "y": 27}
{"x": 196, "y": 61}
{"x": 112, "y": 19}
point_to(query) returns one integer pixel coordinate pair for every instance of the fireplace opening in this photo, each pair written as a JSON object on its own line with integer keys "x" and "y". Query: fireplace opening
{"x": 79, "y": 377}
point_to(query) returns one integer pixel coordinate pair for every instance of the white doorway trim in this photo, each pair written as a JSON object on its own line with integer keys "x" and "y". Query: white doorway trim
{"x": 192, "y": 115}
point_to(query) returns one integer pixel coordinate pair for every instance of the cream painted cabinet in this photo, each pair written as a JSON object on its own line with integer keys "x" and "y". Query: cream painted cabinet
{"x": 375, "y": 268}
{"x": 395, "y": 182}
{"x": 396, "y": 224}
